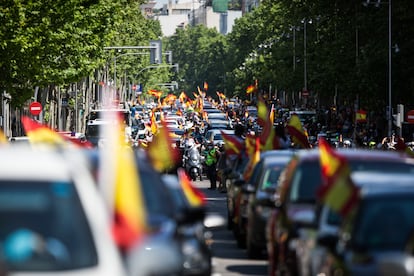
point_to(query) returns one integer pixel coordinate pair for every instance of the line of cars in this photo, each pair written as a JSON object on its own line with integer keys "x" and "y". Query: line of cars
{"x": 54, "y": 218}
{"x": 277, "y": 215}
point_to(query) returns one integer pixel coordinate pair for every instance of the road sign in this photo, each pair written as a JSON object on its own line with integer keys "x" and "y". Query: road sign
{"x": 410, "y": 116}
{"x": 35, "y": 108}
{"x": 305, "y": 93}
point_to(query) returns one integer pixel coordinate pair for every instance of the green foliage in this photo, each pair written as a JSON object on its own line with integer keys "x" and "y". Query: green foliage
{"x": 201, "y": 53}
{"x": 59, "y": 42}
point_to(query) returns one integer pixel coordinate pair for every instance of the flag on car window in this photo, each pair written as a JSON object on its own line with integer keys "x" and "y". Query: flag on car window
{"x": 129, "y": 225}
{"x": 253, "y": 151}
{"x": 338, "y": 190}
{"x": 194, "y": 196}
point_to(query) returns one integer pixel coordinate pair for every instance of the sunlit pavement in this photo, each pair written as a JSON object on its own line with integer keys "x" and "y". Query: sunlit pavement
{"x": 228, "y": 259}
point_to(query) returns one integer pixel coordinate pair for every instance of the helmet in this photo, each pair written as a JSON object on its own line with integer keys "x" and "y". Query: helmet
{"x": 190, "y": 143}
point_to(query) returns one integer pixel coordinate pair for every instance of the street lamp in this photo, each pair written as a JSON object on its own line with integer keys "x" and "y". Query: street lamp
{"x": 305, "y": 75}
{"x": 389, "y": 115}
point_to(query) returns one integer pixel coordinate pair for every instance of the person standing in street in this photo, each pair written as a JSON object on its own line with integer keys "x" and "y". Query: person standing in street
{"x": 211, "y": 163}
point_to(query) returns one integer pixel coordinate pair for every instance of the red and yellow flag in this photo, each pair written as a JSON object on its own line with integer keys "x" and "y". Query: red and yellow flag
{"x": 250, "y": 89}
{"x": 183, "y": 97}
{"x": 297, "y": 133}
{"x": 194, "y": 196}
{"x": 129, "y": 225}
{"x": 361, "y": 116}
{"x": 254, "y": 158}
{"x": 205, "y": 86}
{"x": 337, "y": 190}
{"x": 39, "y": 133}
{"x": 161, "y": 152}
{"x": 154, "y": 126}
{"x": 232, "y": 144}
{"x": 155, "y": 93}
{"x": 268, "y": 138}
{"x": 272, "y": 115}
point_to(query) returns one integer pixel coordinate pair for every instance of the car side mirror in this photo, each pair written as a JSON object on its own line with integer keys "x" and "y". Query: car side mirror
{"x": 239, "y": 182}
{"x": 248, "y": 188}
{"x": 328, "y": 240}
{"x": 190, "y": 215}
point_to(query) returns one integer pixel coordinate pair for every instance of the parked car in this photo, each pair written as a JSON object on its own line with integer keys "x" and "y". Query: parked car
{"x": 259, "y": 202}
{"x": 191, "y": 231}
{"x": 378, "y": 238}
{"x": 52, "y": 218}
{"x": 296, "y": 202}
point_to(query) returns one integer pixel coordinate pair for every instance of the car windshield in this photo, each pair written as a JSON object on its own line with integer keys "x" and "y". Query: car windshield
{"x": 157, "y": 201}
{"x": 307, "y": 177}
{"x": 384, "y": 223}
{"x": 37, "y": 227}
{"x": 270, "y": 177}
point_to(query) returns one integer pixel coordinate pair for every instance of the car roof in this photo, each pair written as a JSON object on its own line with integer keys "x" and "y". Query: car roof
{"x": 377, "y": 183}
{"x": 357, "y": 154}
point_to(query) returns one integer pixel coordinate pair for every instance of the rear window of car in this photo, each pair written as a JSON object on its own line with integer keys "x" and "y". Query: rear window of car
{"x": 43, "y": 227}
{"x": 384, "y": 223}
{"x": 306, "y": 178}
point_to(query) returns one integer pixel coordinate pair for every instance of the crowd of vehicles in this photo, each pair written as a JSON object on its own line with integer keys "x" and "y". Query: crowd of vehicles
{"x": 275, "y": 213}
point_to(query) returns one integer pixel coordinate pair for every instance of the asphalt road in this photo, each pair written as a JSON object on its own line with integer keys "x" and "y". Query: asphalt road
{"x": 228, "y": 259}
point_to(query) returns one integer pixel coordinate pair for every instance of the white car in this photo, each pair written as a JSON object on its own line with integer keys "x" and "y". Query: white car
{"x": 53, "y": 220}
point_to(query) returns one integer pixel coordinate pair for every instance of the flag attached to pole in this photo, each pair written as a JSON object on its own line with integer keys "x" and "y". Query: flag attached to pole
{"x": 361, "y": 116}
{"x": 297, "y": 133}
{"x": 193, "y": 195}
{"x": 338, "y": 190}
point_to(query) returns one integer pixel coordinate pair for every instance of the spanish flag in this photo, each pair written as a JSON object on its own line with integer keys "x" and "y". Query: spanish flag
{"x": 254, "y": 157}
{"x": 39, "y": 133}
{"x": 250, "y": 89}
{"x": 361, "y": 116}
{"x": 337, "y": 190}
{"x": 232, "y": 145}
{"x": 194, "y": 196}
{"x": 160, "y": 151}
{"x": 205, "y": 86}
{"x": 154, "y": 126}
{"x": 297, "y": 133}
{"x": 129, "y": 224}
{"x": 268, "y": 138}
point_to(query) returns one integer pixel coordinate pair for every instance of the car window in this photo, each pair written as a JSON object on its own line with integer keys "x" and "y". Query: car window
{"x": 306, "y": 179}
{"x": 384, "y": 223}
{"x": 157, "y": 200}
{"x": 271, "y": 176}
{"x": 43, "y": 227}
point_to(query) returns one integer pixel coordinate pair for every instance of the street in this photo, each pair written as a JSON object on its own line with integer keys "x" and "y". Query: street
{"x": 228, "y": 259}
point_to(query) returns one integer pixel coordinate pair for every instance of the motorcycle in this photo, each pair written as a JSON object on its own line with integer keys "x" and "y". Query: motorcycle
{"x": 193, "y": 163}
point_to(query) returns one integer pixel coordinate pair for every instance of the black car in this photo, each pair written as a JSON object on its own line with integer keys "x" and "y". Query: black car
{"x": 259, "y": 199}
{"x": 378, "y": 238}
{"x": 190, "y": 232}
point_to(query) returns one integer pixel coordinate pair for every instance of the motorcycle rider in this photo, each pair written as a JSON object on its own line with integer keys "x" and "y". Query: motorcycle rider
{"x": 192, "y": 158}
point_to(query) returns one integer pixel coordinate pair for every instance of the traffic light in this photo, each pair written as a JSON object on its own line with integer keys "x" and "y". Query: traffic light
{"x": 155, "y": 52}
